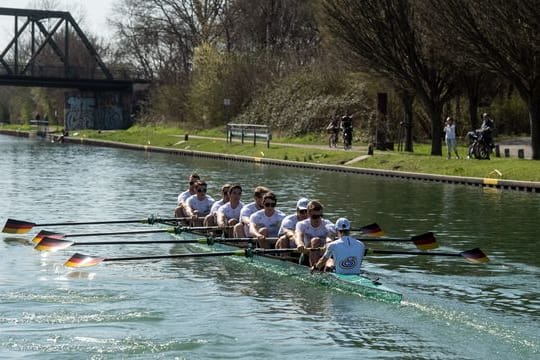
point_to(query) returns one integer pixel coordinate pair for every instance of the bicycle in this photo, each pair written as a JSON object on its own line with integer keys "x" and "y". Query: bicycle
{"x": 347, "y": 138}
{"x": 478, "y": 148}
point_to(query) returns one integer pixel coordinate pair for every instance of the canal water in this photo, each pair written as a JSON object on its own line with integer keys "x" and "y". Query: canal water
{"x": 215, "y": 308}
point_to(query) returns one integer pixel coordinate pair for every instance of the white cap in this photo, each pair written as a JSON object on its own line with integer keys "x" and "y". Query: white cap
{"x": 302, "y": 204}
{"x": 343, "y": 224}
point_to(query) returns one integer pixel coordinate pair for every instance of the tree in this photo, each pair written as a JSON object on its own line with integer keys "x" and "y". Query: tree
{"x": 501, "y": 36}
{"x": 388, "y": 37}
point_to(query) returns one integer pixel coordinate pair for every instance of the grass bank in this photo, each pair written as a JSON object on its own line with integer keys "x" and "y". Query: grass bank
{"x": 315, "y": 151}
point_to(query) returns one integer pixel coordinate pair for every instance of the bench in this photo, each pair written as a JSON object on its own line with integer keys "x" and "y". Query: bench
{"x": 251, "y": 131}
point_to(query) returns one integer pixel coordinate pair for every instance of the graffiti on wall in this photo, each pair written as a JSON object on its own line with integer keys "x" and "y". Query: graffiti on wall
{"x": 87, "y": 112}
{"x": 108, "y": 114}
{"x": 79, "y": 112}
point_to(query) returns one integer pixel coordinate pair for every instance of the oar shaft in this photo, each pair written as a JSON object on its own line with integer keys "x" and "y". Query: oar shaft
{"x": 398, "y": 252}
{"x": 384, "y": 239}
{"x": 134, "y": 242}
{"x": 208, "y": 240}
{"x": 122, "y": 232}
{"x": 175, "y": 256}
{"x": 95, "y": 222}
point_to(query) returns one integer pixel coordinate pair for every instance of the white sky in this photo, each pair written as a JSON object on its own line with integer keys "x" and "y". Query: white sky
{"x": 94, "y": 13}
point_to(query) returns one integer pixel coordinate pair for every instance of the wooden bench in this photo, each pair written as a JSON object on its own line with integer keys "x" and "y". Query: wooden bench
{"x": 250, "y": 131}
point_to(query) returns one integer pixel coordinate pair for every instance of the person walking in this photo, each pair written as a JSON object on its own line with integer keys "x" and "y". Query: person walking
{"x": 450, "y": 137}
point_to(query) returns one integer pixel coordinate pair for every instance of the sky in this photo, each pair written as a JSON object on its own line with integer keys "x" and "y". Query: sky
{"x": 94, "y": 13}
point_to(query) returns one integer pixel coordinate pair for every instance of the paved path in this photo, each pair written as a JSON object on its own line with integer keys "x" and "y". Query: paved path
{"x": 513, "y": 145}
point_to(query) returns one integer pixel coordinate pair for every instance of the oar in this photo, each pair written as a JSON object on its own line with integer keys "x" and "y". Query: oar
{"x": 177, "y": 230}
{"x": 425, "y": 241}
{"x": 475, "y": 255}
{"x": 81, "y": 260}
{"x": 44, "y": 233}
{"x": 55, "y": 244}
{"x": 13, "y": 226}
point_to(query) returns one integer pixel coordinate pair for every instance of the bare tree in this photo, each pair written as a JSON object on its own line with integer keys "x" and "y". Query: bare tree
{"x": 161, "y": 35}
{"x": 388, "y": 36}
{"x": 502, "y": 36}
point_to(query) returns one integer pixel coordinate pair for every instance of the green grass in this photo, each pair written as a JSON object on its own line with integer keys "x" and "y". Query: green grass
{"x": 420, "y": 161}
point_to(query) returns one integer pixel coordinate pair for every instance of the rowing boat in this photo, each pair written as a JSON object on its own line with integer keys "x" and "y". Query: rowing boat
{"x": 357, "y": 284}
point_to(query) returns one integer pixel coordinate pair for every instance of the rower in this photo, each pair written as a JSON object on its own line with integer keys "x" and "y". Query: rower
{"x": 180, "y": 210}
{"x": 314, "y": 232}
{"x": 345, "y": 254}
{"x": 241, "y": 229}
{"x": 199, "y": 205}
{"x": 211, "y": 219}
{"x": 228, "y": 215}
{"x": 288, "y": 225}
{"x": 265, "y": 223}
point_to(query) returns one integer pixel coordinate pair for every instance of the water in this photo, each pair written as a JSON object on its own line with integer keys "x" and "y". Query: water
{"x": 219, "y": 308}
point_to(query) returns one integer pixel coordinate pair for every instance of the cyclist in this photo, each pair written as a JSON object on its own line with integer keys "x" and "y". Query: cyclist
{"x": 346, "y": 125}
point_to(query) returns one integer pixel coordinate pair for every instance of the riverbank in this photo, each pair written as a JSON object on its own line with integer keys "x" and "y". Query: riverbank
{"x": 315, "y": 156}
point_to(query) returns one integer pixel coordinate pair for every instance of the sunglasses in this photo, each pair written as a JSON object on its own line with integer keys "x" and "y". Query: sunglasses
{"x": 316, "y": 216}
{"x": 272, "y": 204}
{"x": 302, "y": 211}
{"x": 201, "y": 190}
{"x": 192, "y": 183}
{"x": 236, "y": 192}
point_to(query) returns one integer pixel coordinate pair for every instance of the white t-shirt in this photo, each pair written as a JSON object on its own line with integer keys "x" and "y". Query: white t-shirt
{"x": 271, "y": 223}
{"x": 324, "y": 230}
{"x": 202, "y": 206}
{"x": 248, "y": 209}
{"x": 183, "y": 197}
{"x": 288, "y": 223}
{"x": 216, "y": 205}
{"x": 229, "y": 212}
{"x": 347, "y": 253}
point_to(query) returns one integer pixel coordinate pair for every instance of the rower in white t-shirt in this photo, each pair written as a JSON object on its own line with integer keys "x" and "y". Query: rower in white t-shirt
{"x": 344, "y": 255}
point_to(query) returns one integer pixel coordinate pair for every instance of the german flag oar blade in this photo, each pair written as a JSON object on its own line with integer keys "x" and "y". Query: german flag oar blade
{"x": 45, "y": 233}
{"x": 475, "y": 256}
{"x": 425, "y": 241}
{"x": 81, "y": 260}
{"x": 52, "y": 244}
{"x": 372, "y": 230}
{"x": 13, "y": 226}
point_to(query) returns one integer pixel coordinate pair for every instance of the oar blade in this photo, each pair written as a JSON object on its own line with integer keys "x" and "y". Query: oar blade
{"x": 80, "y": 260}
{"x": 475, "y": 256}
{"x": 52, "y": 244}
{"x": 45, "y": 233}
{"x": 13, "y": 226}
{"x": 426, "y": 241}
{"x": 372, "y": 230}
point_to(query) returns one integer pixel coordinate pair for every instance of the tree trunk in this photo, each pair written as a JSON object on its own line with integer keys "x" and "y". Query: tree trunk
{"x": 435, "y": 113}
{"x": 407, "y": 100}
{"x": 533, "y": 105}
{"x": 473, "y": 112}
